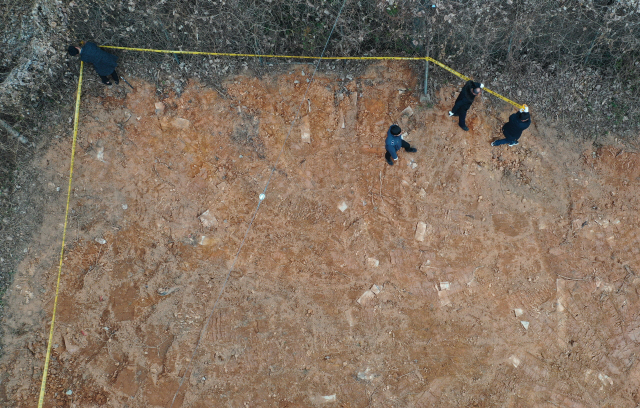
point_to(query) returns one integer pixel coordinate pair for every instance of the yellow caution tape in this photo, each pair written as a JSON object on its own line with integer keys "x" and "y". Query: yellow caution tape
{"x": 64, "y": 234}
{"x": 440, "y": 64}
{"x": 226, "y": 54}
{"x": 456, "y": 73}
{"x": 219, "y": 54}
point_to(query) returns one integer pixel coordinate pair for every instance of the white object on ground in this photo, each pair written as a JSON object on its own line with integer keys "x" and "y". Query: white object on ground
{"x": 366, "y": 375}
{"x": 525, "y": 324}
{"x": 262, "y": 196}
{"x": 518, "y": 312}
{"x": 208, "y": 220}
{"x": 181, "y": 123}
{"x": 343, "y": 206}
{"x": 606, "y": 380}
{"x": 421, "y": 231}
{"x": 366, "y": 297}
{"x": 407, "y": 111}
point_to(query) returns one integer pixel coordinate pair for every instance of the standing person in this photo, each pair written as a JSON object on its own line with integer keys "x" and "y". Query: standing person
{"x": 104, "y": 63}
{"x": 468, "y": 93}
{"x": 394, "y": 142}
{"x": 513, "y": 129}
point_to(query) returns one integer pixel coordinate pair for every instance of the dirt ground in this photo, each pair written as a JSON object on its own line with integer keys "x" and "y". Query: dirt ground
{"x": 522, "y": 291}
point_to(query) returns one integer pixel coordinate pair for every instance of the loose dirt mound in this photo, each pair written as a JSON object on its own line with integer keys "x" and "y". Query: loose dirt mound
{"x": 523, "y": 291}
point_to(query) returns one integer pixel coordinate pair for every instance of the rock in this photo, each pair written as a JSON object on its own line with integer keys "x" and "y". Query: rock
{"x": 366, "y": 375}
{"x": 605, "y": 379}
{"x": 518, "y": 312}
{"x": 181, "y": 123}
{"x": 69, "y": 392}
{"x": 407, "y": 111}
{"x": 159, "y": 108}
{"x": 525, "y": 324}
{"x": 167, "y": 291}
{"x": 124, "y": 206}
{"x": 208, "y": 220}
{"x": 101, "y": 241}
{"x": 556, "y": 251}
{"x": 305, "y": 129}
{"x": 343, "y": 206}
{"x": 206, "y": 241}
{"x": 322, "y": 399}
{"x": 69, "y": 346}
{"x": 373, "y": 262}
{"x": 443, "y": 290}
{"x": 100, "y": 154}
{"x": 366, "y": 297}
{"x": 421, "y": 231}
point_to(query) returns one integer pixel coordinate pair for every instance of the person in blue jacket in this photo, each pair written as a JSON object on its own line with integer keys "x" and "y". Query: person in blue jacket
{"x": 513, "y": 129}
{"x": 464, "y": 100}
{"x": 394, "y": 142}
{"x": 104, "y": 63}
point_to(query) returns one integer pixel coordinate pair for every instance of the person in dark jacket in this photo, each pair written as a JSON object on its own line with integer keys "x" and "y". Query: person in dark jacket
{"x": 513, "y": 129}
{"x": 394, "y": 142}
{"x": 468, "y": 93}
{"x": 104, "y": 63}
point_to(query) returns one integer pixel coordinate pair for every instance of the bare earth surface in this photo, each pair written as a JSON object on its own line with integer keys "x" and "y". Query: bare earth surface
{"x": 519, "y": 290}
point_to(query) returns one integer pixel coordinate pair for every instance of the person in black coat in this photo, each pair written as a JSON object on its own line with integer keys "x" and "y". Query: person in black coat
{"x": 513, "y": 129}
{"x": 104, "y": 63}
{"x": 468, "y": 93}
{"x": 394, "y": 142}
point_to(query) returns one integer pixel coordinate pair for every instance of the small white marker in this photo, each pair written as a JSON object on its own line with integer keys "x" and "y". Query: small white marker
{"x": 262, "y": 197}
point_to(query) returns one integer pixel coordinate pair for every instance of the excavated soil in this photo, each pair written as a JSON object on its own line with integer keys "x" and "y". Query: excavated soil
{"x": 522, "y": 291}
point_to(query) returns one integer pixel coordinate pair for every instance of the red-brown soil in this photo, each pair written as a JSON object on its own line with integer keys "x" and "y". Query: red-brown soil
{"x": 549, "y": 227}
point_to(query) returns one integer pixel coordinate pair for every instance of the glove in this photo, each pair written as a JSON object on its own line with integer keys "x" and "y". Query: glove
{"x": 526, "y": 108}
{"x": 521, "y": 110}
{"x": 481, "y": 85}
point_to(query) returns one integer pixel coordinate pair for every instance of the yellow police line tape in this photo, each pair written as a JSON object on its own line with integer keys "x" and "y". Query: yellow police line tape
{"x": 226, "y": 54}
{"x": 64, "y": 235}
{"x": 219, "y": 54}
